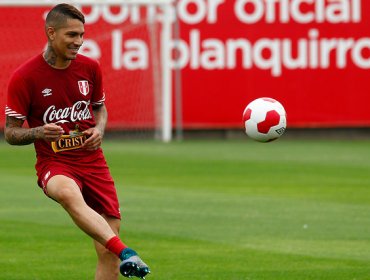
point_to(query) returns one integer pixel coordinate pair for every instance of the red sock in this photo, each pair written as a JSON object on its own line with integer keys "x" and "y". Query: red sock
{"x": 115, "y": 245}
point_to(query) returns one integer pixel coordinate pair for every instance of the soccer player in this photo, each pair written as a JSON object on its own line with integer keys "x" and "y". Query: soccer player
{"x": 60, "y": 94}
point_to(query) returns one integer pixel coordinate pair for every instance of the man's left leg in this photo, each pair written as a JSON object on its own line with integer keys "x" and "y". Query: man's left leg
{"x": 100, "y": 185}
{"x": 108, "y": 264}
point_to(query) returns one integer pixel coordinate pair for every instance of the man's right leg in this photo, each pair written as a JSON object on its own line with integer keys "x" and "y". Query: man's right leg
{"x": 65, "y": 191}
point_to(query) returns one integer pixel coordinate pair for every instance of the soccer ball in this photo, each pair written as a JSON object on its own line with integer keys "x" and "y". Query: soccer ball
{"x": 264, "y": 119}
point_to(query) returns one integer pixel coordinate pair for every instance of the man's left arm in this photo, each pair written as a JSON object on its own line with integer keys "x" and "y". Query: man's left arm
{"x": 95, "y": 134}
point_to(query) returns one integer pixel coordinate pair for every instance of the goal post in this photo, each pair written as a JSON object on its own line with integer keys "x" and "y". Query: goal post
{"x": 158, "y": 26}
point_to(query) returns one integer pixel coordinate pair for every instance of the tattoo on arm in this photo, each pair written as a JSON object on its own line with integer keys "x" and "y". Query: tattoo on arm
{"x": 101, "y": 117}
{"x": 15, "y": 134}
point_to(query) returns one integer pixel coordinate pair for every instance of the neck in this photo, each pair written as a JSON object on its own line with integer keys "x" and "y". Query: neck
{"x": 52, "y": 59}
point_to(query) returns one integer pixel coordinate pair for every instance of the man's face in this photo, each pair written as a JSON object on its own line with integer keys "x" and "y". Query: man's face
{"x": 68, "y": 39}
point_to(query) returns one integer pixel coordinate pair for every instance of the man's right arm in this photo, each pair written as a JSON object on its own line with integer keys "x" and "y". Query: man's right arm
{"x": 15, "y": 134}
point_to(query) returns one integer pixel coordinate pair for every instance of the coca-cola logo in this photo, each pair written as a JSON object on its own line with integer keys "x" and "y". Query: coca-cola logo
{"x": 77, "y": 112}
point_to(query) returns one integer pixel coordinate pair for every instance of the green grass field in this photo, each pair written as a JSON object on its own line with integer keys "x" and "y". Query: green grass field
{"x": 223, "y": 210}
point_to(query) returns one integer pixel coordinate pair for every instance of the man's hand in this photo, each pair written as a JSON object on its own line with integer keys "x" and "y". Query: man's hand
{"x": 94, "y": 139}
{"x": 52, "y": 132}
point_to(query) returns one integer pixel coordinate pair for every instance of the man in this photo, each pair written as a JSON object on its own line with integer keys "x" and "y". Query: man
{"x": 60, "y": 94}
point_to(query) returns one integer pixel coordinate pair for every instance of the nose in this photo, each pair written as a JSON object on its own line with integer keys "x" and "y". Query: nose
{"x": 78, "y": 41}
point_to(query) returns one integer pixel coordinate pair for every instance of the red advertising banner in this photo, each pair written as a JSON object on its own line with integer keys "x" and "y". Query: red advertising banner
{"x": 311, "y": 55}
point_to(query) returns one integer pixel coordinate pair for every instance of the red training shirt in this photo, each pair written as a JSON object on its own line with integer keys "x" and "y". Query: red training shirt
{"x": 42, "y": 94}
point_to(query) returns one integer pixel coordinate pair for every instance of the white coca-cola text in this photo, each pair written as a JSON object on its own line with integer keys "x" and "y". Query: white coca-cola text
{"x": 77, "y": 112}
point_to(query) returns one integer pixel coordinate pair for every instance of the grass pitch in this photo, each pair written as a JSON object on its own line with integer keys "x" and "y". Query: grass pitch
{"x": 228, "y": 210}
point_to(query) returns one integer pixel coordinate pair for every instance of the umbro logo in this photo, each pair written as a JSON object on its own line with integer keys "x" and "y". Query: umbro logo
{"x": 47, "y": 92}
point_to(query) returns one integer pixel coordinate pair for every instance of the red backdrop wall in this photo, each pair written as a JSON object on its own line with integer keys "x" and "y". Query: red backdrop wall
{"x": 313, "y": 56}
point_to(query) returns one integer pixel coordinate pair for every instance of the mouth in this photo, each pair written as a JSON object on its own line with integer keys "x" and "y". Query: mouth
{"x": 74, "y": 50}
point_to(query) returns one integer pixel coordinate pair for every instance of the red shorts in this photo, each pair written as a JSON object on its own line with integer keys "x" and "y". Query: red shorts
{"x": 93, "y": 178}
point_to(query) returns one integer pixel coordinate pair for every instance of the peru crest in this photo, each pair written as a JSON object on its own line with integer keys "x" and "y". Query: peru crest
{"x": 84, "y": 87}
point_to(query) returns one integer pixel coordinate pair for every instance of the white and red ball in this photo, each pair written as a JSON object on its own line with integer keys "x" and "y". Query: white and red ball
{"x": 264, "y": 119}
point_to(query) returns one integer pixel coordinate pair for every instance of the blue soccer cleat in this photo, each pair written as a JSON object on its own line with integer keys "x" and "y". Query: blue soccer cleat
{"x": 132, "y": 265}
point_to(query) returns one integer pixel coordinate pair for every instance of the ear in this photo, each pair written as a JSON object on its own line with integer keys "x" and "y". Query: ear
{"x": 50, "y": 33}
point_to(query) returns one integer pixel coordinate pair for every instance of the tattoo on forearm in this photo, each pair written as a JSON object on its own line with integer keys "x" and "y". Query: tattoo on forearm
{"x": 15, "y": 134}
{"x": 101, "y": 117}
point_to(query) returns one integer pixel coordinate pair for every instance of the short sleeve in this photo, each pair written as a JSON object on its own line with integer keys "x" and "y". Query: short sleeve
{"x": 18, "y": 98}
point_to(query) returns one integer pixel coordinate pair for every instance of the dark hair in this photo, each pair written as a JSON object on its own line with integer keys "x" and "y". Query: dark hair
{"x": 60, "y": 13}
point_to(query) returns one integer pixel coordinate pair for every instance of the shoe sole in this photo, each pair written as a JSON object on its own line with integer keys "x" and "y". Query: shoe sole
{"x": 129, "y": 268}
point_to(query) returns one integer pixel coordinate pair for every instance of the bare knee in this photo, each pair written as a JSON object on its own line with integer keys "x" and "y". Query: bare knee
{"x": 64, "y": 190}
{"x": 67, "y": 196}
